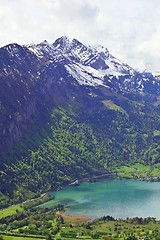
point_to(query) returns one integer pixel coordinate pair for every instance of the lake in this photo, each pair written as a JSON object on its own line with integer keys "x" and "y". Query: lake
{"x": 117, "y": 198}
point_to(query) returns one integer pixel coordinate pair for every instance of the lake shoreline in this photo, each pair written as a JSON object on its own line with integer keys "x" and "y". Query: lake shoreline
{"x": 73, "y": 217}
{"x": 109, "y": 198}
{"x": 104, "y": 176}
{"x": 77, "y": 182}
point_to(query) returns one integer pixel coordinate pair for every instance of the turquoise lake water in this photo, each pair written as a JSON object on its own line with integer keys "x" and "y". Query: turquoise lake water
{"x": 117, "y": 198}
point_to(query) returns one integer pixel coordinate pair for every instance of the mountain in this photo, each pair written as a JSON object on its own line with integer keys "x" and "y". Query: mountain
{"x": 95, "y": 66}
{"x": 68, "y": 111}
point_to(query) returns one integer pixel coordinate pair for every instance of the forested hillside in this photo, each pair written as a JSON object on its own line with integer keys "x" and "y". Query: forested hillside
{"x": 82, "y": 142}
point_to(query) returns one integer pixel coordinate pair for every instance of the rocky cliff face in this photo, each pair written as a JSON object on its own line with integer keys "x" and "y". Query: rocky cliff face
{"x": 29, "y": 90}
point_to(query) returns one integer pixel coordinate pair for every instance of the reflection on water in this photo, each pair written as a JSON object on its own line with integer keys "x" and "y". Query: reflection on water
{"x": 117, "y": 198}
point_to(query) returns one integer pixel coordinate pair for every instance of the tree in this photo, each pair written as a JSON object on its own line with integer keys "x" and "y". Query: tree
{"x": 49, "y": 237}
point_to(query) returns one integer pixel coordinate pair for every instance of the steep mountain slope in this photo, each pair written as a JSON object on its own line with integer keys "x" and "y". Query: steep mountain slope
{"x": 54, "y": 72}
{"x": 69, "y": 110}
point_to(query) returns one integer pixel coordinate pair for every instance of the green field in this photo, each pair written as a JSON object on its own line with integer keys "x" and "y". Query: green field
{"x": 19, "y": 238}
{"x": 10, "y": 211}
{"x": 109, "y": 104}
{"x": 139, "y": 171}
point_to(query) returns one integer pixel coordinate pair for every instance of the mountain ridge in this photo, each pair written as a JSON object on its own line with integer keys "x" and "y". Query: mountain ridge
{"x": 29, "y": 73}
{"x": 98, "y": 60}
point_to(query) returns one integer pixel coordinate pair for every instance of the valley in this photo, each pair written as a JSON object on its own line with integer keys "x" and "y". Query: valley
{"x": 49, "y": 221}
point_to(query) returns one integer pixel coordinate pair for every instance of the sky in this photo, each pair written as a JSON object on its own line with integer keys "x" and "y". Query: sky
{"x": 130, "y": 29}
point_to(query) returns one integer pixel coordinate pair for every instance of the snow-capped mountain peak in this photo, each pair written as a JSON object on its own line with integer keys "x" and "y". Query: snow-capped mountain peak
{"x": 44, "y": 43}
{"x": 93, "y": 65}
{"x": 63, "y": 43}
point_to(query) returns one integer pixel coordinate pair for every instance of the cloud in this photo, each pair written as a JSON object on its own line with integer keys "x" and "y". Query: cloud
{"x": 74, "y": 10}
{"x": 129, "y": 29}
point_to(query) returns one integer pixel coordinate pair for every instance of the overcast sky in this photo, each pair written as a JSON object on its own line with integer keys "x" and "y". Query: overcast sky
{"x": 130, "y": 29}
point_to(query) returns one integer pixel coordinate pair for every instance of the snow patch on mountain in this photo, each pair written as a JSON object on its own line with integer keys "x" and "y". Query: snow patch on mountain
{"x": 41, "y": 49}
{"x": 85, "y": 75}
